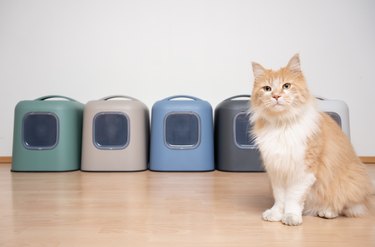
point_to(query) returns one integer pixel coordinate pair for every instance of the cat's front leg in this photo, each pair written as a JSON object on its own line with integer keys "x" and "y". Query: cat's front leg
{"x": 295, "y": 198}
{"x": 277, "y": 211}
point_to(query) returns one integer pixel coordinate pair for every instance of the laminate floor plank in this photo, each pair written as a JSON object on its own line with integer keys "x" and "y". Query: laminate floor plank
{"x": 158, "y": 209}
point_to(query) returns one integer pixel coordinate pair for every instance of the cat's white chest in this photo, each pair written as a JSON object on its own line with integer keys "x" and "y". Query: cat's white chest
{"x": 282, "y": 143}
{"x": 283, "y": 146}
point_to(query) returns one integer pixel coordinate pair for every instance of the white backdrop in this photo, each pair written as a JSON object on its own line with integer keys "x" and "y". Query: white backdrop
{"x": 151, "y": 49}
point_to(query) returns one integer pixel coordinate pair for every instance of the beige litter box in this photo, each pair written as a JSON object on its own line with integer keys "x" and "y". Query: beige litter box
{"x": 115, "y": 135}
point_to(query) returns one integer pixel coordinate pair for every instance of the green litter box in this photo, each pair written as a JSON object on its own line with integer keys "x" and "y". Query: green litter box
{"x": 47, "y": 135}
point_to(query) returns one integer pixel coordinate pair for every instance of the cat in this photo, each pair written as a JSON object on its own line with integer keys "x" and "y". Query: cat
{"x": 311, "y": 164}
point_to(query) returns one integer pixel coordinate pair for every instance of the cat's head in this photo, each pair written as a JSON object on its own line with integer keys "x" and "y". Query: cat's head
{"x": 279, "y": 94}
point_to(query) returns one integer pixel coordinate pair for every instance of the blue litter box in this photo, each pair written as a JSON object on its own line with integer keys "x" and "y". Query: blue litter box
{"x": 182, "y": 135}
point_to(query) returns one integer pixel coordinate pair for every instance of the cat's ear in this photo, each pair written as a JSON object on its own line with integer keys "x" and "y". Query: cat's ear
{"x": 258, "y": 70}
{"x": 294, "y": 64}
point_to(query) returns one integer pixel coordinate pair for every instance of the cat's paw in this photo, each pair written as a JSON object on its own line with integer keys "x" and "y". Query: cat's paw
{"x": 291, "y": 219}
{"x": 328, "y": 214}
{"x": 272, "y": 215}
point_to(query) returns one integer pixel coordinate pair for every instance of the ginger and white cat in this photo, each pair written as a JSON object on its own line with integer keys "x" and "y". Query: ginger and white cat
{"x": 311, "y": 164}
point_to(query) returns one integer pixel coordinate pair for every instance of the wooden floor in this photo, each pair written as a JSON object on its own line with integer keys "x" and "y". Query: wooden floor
{"x": 158, "y": 209}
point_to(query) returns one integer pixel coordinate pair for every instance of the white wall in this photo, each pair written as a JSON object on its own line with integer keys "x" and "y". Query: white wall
{"x": 151, "y": 49}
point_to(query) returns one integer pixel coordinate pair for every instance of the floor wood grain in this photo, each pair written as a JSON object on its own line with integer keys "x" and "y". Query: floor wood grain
{"x": 158, "y": 209}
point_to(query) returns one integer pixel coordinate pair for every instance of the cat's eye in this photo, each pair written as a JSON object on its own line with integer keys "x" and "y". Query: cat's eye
{"x": 286, "y": 86}
{"x": 267, "y": 88}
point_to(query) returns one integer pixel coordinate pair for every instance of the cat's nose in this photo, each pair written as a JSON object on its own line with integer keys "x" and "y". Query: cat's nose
{"x": 276, "y": 96}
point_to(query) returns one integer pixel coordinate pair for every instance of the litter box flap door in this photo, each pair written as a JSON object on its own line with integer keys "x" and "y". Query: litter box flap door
{"x": 111, "y": 130}
{"x": 40, "y": 130}
{"x": 182, "y": 130}
{"x": 336, "y": 117}
{"x": 242, "y": 131}
{"x": 338, "y": 110}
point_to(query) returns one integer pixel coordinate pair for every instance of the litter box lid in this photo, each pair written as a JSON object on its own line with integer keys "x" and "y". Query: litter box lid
{"x": 120, "y": 102}
{"x": 181, "y": 102}
{"x": 44, "y": 103}
{"x": 235, "y": 103}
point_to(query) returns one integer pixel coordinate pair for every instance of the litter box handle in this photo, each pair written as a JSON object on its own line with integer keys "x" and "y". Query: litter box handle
{"x": 119, "y": 96}
{"x": 55, "y": 96}
{"x": 320, "y": 98}
{"x": 183, "y": 96}
{"x": 239, "y": 96}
